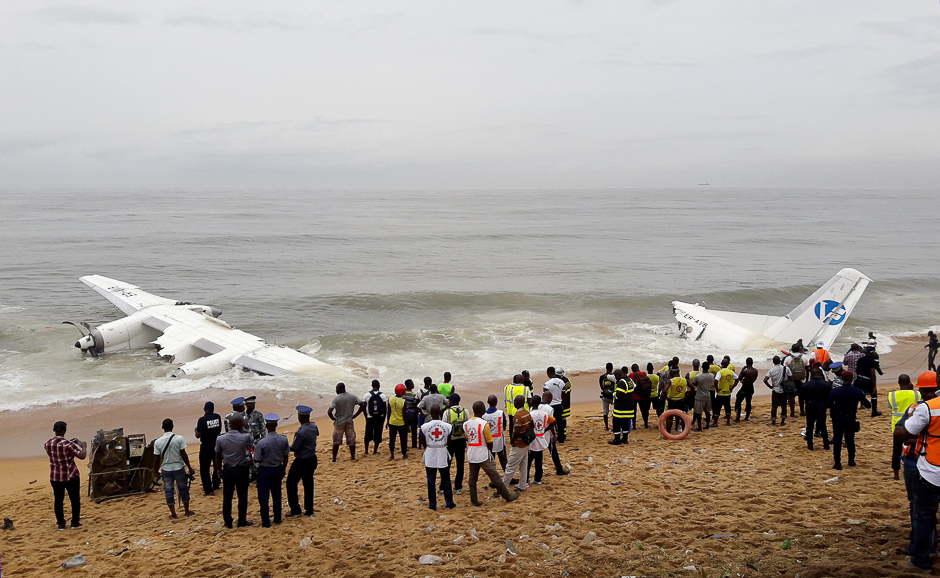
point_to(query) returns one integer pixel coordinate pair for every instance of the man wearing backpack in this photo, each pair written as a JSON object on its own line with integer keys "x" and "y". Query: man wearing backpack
{"x": 374, "y": 405}
{"x": 456, "y": 416}
{"x": 512, "y": 391}
{"x": 518, "y": 461}
{"x": 411, "y": 412}
{"x": 608, "y": 384}
{"x": 796, "y": 362}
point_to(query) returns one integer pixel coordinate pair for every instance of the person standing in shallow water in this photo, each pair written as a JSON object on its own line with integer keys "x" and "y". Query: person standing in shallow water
{"x": 932, "y": 346}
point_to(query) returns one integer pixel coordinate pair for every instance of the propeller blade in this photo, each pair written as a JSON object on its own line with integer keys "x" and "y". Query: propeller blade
{"x": 88, "y": 327}
{"x": 77, "y": 327}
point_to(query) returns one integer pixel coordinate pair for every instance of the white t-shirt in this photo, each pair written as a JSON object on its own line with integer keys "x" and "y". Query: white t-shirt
{"x": 435, "y": 435}
{"x": 777, "y": 375}
{"x": 550, "y": 411}
{"x": 477, "y": 452}
{"x": 554, "y": 386}
{"x": 540, "y": 423}
{"x": 170, "y": 450}
{"x": 366, "y": 399}
{"x": 495, "y": 419}
{"x": 917, "y": 424}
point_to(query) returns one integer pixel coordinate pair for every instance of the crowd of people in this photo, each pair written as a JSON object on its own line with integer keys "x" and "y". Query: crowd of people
{"x": 245, "y": 447}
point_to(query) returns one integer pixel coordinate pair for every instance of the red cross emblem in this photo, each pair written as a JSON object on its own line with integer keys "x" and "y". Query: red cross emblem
{"x": 472, "y": 435}
{"x": 437, "y": 433}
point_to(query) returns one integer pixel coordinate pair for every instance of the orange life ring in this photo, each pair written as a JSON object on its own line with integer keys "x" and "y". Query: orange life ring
{"x": 685, "y": 419}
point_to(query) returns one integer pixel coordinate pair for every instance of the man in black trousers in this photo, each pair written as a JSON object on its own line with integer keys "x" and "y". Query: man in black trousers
{"x": 231, "y": 451}
{"x": 843, "y": 406}
{"x": 305, "y": 463}
{"x": 816, "y": 393}
{"x": 208, "y": 429}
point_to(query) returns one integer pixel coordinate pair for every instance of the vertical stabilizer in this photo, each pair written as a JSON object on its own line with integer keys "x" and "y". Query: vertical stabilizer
{"x": 822, "y": 315}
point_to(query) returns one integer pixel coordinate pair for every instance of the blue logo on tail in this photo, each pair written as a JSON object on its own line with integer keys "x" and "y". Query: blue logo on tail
{"x": 830, "y": 306}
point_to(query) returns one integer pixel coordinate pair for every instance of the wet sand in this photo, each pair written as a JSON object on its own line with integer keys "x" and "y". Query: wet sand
{"x": 727, "y": 501}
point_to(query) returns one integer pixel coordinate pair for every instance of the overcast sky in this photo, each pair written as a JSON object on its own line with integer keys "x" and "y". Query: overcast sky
{"x": 476, "y": 94}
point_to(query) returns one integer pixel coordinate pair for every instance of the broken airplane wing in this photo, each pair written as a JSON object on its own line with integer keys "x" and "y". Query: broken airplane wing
{"x": 819, "y": 318}
{"x": 190, "y": 335}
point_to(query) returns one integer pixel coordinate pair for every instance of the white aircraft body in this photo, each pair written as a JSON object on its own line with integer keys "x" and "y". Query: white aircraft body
{"x": 190, "y": 335}
{"x": 819, "y": 318}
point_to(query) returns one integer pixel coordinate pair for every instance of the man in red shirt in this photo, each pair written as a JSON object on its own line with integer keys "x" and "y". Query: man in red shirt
{"x": 64, "y": 474}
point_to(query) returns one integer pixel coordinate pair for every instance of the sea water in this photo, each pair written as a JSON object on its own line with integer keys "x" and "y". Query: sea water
{"x": 393, "y": 284}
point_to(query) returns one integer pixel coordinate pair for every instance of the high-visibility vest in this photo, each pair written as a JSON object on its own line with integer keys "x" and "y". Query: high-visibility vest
{"x": 567, "y": 389}
{"x": 913, "y": 449}
{"x": 511, "y": 391}
{"x": 725, "y": 381}
{"x": 495, "y": 420}
{"x": 474, "y": 441}
{"x": 930, "y": 438}
{"x": 624, "y": 392}
{"x": 822, "y": 356}
{"x": 677, "y": 388}
{"x": 456, "y": 416}
{"x": 899, "y": 401}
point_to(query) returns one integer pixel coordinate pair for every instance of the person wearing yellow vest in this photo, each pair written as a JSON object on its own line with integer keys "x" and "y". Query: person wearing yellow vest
{"x": 675, "y": 396}
{"x": 657, "y": 390}
{"x": 479, "y": 446}
{"x": 516, "y": 388}
{"x": 724, "y": 383}
{"x": 923, "y": 427}
{"x": 395, "y": 422}
{"x": 456, "y": 416}
{"x": 624, "y": 408}
{"x": 898, "y": 402}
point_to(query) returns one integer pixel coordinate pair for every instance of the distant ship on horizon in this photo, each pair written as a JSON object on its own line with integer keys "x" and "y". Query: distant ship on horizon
{"x": 703, "y": 184}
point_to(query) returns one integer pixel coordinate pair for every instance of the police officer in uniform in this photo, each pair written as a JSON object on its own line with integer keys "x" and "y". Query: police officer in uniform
{"x": 271, "y": 454}
{"x": 255, "y": 424}
{"x": 238, "y": 407}
{"x": 305, "y": 463}
{"x": 256, "y": 420}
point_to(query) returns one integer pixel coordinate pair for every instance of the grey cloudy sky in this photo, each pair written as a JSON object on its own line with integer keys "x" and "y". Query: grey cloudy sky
{"x": 481, "y": 94}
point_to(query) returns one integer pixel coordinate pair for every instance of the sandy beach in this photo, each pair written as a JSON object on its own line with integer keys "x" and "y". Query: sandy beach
{"x": 744, "y": 500}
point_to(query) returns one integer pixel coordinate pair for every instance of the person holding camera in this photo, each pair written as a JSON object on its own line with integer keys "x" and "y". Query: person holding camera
{"x": 170, "y": 450}
{"x": 64, "y": 474}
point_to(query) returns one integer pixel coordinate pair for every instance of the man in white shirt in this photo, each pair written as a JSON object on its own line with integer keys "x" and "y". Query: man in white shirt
{"x": 435, "y": 436}
{"x": 479, "y": 446}
{"x": 555, "y": 385}
{"x": 927, "y": 489}
{"x": 554, "y": 412}
{"x": 774, "y": 380}
{"x": 543, "y": 424}
{"x": 171, "y": 449}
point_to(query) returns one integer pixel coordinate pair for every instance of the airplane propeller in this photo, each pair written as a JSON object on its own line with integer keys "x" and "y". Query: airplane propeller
{"x": 72, "y": 323}
{"x": 91, "y": 350}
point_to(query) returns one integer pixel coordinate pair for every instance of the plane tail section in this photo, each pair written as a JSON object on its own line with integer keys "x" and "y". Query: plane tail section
{"x": 821, "y": 316}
